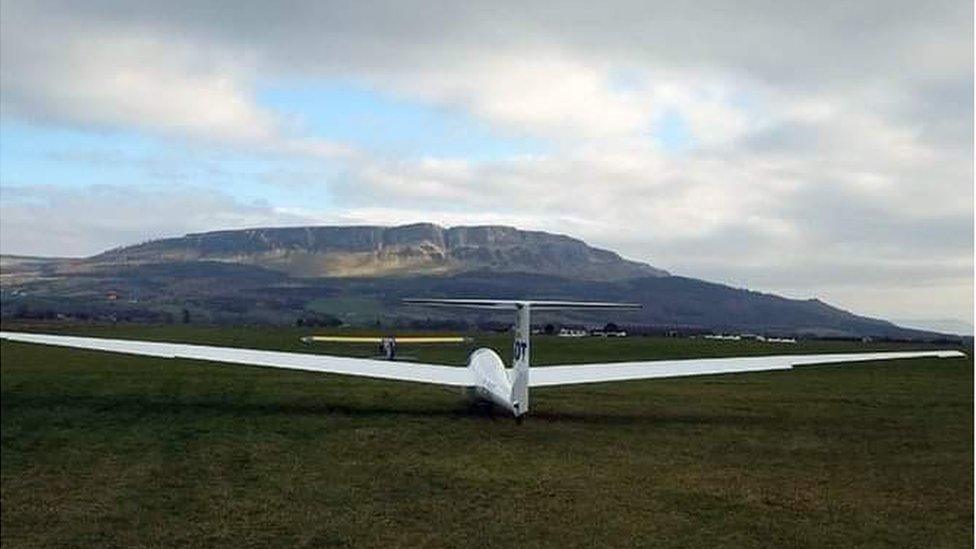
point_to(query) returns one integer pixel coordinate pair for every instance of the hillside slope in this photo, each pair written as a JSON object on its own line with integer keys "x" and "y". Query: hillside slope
{"x": 359, "y": 275}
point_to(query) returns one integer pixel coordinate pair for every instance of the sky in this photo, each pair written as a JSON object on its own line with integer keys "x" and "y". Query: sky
{"x": 804, "y": 148}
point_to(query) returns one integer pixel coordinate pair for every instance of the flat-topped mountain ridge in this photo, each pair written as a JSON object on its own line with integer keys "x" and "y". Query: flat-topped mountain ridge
{"x": 358, "y": 275}
{"x": 370, "y": 251}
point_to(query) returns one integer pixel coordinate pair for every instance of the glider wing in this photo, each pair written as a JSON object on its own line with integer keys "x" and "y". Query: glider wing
{"x": 381, "y": 369}
{"x": 545, "y": 376}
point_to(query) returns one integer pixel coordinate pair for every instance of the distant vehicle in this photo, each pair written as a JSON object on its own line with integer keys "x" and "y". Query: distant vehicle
{"x": 485, "y": 377}
{"x": 572, "y": 332}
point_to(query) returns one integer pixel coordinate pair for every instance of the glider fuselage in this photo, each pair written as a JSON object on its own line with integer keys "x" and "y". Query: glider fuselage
{"x": 491, "y": 379}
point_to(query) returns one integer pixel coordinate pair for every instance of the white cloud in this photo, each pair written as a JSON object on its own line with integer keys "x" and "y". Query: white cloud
{"x": 86, "y": 221}
{"x": 109, "y": 76}
{"x": 542, "y": 93}
{"x": 126, "y": 79}
{"x": 831, "y": 144}
{"x": 866, "y": 205}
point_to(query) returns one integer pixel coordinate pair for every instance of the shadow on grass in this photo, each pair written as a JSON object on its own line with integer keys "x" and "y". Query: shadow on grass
{"x": 136, "y": 406}
{"x": 650, "y": 418}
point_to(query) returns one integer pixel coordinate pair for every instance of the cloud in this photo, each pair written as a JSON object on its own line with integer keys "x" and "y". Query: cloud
{"x": 106, "y": 76}
{"x": 127, "y": 78}
{"x": 864, "y": 205}
{"x": 828, "y": 151}
{"x": 532, "y": 65}
{"x": 89, "y": 220}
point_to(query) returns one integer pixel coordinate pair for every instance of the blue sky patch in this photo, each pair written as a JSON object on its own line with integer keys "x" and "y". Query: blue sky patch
{"x": 42, "y": 155}
{"x": 383, "y": 123}
{"x": 672, "y": 132}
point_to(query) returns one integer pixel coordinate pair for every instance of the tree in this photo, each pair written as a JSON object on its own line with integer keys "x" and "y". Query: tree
{"x": 611, "y": 327}
{"x": 549, "y": 329}
{"x": 186, "y": 316}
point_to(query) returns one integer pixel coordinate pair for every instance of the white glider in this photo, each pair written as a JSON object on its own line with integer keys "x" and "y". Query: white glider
{"x": 485, "y": 376}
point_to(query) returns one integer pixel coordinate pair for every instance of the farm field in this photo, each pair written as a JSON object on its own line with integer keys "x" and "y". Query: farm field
{"x": 122, "y": 451}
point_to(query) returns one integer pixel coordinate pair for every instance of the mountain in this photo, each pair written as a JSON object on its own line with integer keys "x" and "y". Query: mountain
{"x": 369, "y": 251}
{"x": 358, "y": 275}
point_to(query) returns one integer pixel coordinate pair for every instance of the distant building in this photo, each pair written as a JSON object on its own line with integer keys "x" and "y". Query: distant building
{"x": 722, "y": 337}
{"x": 608, "y": 333}
{"x": 749, "y": 337}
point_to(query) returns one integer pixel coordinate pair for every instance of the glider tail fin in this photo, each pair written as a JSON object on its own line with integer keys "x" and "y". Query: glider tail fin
{"x": 520, "y": 361}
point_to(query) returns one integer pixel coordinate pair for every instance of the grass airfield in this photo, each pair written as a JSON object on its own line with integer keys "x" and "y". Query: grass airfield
{"x": 122, "y": 451}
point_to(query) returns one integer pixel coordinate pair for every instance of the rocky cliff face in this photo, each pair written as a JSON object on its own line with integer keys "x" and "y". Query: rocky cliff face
{"x": 370, "y": 251}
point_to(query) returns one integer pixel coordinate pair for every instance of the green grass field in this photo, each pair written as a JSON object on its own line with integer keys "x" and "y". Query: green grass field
{"x": 118, "y": 451}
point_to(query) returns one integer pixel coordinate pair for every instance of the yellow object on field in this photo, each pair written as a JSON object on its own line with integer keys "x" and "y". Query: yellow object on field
{"x": 376, "y": 339}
